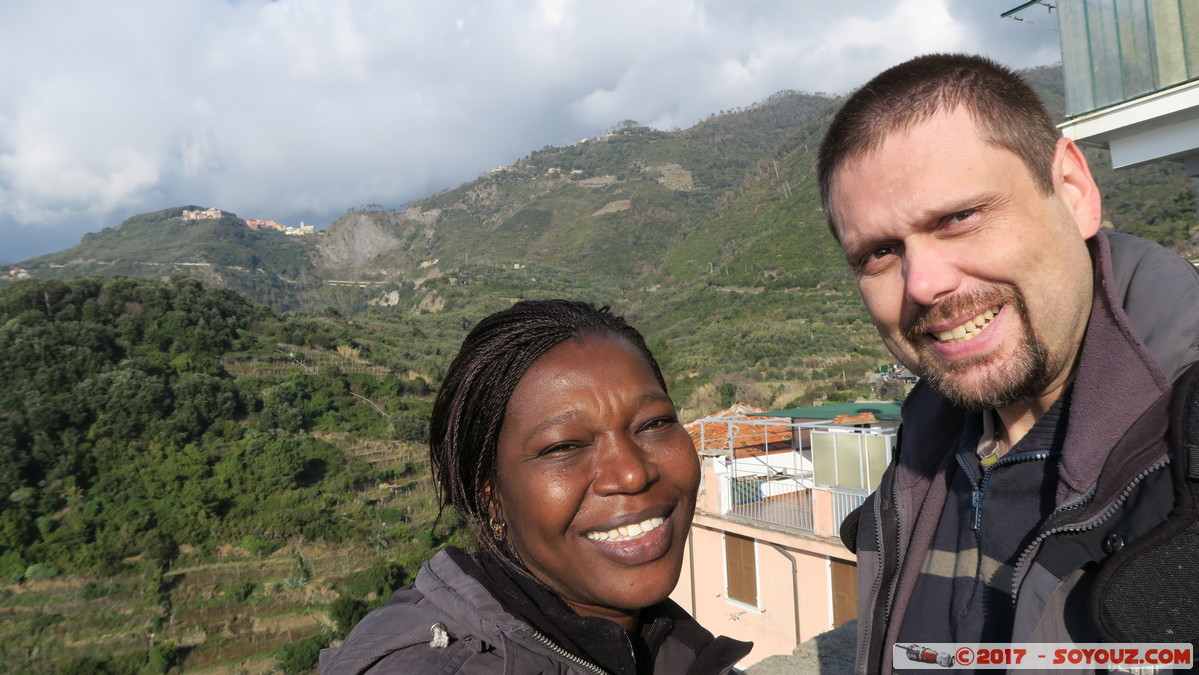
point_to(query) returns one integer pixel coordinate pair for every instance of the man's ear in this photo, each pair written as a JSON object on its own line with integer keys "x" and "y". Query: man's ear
{"x": 1075, "y": 186}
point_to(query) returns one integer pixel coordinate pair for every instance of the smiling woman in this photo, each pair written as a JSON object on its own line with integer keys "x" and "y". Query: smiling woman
{"x": 554, "y": 436}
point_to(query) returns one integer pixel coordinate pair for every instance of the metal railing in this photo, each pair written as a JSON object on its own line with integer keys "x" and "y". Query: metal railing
{"x": 772, "y": 480}
{"x": 845, "y": 500}
{"x": 778, "y": 500}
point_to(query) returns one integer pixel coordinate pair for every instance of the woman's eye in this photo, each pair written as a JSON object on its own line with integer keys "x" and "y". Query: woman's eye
{"x": 658, "y": 423}
{"x": 558, "y": 448}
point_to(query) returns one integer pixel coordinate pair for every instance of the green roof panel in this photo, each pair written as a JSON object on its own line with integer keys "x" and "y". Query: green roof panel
{"x": 883, "y": 410}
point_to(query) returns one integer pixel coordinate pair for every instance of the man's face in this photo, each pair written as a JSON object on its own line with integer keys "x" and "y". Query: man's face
{"x": 975, "y": 279}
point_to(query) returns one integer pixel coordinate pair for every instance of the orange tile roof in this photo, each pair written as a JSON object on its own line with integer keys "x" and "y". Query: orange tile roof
{"x": 855, "y": 419}
{"x": 747, "y": 439}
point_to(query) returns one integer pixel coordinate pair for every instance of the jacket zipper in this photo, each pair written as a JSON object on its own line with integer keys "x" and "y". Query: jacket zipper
{"x": 873, "y": 654}
{"x": 1019, "y": 573}
{"x": 553, "y": 647}
{"x": 979, "y": 487}
{"x": 890, "y": 573}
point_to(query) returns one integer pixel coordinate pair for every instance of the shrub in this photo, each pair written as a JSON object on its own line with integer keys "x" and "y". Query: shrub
{"x": 301, "y": 656}
{"x": 346, "y": 612}
{"x": 258, "y": 545}
{"x": 40, "y": 572}
{"x": 91, "y": 590}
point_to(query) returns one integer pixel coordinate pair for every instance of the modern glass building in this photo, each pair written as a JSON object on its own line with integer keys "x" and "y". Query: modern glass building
{"x": 1131, "y": 69}
{"x": 1119, "y": 50}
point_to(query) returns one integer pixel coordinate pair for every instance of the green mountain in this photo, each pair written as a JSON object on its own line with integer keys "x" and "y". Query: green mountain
{"x": 710, "y": 238}
{"x": 267, "y": 265}
{"x": 612, "y": 206}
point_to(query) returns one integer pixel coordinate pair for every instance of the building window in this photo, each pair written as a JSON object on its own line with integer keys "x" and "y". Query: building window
{"x": 845, "y": 590}
{"x": 741, "y": 569}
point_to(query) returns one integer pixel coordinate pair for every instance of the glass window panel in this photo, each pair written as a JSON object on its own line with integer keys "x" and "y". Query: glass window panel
{"x": 1136, "y": 58}
{"x": 1169, "y": 47}
{"x": 876, "y": 460}
{"x": 1076, "y": 57}
{"x": 849, "y": 460}
{"x": 1105, "y": 52}
{"x": 1190, "y": 35}
{"x": 824, "y": 467}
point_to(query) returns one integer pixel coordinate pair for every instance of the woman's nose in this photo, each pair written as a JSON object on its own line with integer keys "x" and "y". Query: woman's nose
{"x": 624, "y": 467}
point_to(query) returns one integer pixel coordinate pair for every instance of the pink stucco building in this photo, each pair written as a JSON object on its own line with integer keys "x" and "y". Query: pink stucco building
{"x": 764, "y": 562}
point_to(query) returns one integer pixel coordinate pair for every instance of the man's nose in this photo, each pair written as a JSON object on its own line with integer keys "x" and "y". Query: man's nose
{"x": 930, "y": 272}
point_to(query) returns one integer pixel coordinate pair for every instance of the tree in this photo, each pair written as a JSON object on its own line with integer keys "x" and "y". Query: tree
{"x": 301, "y": 656}
{"x": 346, "y": 612}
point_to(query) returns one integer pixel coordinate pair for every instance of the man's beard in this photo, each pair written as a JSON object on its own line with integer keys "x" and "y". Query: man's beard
{"x": 1020, "y": 377}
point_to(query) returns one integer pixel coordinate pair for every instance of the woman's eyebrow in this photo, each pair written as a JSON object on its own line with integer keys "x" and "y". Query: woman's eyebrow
{"x": 570, "y": 415}
{"x": 554, "y": 420}
{"x": 654, "y": 397}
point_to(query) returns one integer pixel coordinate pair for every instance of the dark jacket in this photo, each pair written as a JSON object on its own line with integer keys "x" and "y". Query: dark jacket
{"x": 1141, "y": 335}
{"x": 480, "y": 636}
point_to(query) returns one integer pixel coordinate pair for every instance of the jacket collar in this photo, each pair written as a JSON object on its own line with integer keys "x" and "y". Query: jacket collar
{"x": 453, "y": 579}
{"x": 1116, "y": 382}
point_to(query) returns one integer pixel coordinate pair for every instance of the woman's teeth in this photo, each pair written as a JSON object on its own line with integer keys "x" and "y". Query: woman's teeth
{"x": 967, "y": 331}
{"x": 625, "y": 532}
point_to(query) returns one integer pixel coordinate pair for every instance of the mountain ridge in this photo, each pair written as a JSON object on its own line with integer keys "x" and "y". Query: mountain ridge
{"x": 730, "y": 202}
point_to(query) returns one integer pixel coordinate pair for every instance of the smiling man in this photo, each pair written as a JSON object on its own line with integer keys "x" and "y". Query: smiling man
{"x": 1032, "y": 451}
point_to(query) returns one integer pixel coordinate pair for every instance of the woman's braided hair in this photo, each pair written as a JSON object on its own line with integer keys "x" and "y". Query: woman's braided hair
{"x": 469, "y": 410}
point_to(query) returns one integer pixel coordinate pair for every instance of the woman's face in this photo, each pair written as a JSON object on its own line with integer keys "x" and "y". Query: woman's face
{"x": 596, "y": 479}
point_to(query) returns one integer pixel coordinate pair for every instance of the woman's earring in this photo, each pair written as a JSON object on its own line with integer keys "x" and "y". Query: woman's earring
{"x": 497, "y": 529}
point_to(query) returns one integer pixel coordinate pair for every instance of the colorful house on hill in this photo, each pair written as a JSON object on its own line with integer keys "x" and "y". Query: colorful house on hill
{"x": 764, "y": 562}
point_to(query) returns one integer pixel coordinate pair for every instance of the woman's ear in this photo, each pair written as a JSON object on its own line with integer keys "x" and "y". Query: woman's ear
{"x": 495, "y": 513}
{"x": 492, "y": 503}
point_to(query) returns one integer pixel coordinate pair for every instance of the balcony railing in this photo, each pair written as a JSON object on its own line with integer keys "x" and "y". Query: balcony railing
{"x": 760, "y": 478}
{"x": 781, "y": 501}
{"x": 845, "y": 500}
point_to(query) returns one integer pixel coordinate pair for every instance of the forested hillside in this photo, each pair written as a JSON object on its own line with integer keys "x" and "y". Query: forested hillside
{"x": 272, "y": 268}
{"x": 184, "y": 469}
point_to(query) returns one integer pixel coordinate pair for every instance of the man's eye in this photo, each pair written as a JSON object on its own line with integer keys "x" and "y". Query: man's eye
{"x": 961, "y": 215}
{"x": 872, "y": 258}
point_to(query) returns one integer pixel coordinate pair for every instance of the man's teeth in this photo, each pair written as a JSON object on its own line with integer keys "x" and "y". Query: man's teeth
{"x": 625, "y": 532}
{"x": 967, "y": 331}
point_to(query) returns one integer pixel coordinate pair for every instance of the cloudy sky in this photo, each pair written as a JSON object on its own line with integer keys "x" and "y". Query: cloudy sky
{"x": 300, "y": 109}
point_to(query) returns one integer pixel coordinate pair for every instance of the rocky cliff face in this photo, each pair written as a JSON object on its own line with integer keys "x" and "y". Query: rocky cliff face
{"x": 358, "y": 237}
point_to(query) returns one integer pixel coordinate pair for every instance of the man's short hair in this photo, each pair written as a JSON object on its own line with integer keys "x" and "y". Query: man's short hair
{"x": 1005, "y": 109}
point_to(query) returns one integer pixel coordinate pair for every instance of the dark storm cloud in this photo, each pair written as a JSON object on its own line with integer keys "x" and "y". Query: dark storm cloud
{"x": 299, "y": 109}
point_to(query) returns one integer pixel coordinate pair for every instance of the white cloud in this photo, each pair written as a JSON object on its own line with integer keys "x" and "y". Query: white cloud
{"x": 301, "y": 108}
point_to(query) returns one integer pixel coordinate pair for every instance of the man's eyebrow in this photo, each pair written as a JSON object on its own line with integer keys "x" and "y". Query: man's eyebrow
{"x": 854, "y": 248}
{"x": 957, "y": 205}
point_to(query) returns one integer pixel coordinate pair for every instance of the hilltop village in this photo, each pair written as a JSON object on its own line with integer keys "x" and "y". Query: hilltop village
{"x": 209, "y": 214}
